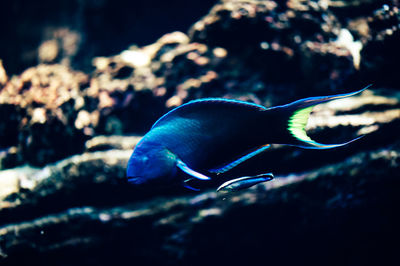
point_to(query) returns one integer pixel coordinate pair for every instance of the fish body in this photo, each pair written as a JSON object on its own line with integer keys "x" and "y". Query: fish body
{"x": 204, "y": 132}
{"x": 211, "y": 136}
{"x": 244, "y": 182}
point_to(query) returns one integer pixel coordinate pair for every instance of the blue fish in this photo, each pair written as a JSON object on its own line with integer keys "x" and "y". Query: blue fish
{"x": 204, "y": 138}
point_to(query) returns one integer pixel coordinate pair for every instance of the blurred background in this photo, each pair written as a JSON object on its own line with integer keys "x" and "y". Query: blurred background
{"x": 90, "y": 28}
{"x": 82, "y": 81}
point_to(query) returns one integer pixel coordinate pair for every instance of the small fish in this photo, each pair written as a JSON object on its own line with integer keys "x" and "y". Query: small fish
{"x": 208, "y": 137}
{"x": 244, "y": 182}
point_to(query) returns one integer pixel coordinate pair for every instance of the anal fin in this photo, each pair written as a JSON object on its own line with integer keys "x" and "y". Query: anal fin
{"x": 185, "y": 168}
{"x": 233, "y": 164}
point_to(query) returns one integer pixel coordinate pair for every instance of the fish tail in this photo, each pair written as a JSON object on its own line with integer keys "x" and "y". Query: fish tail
{"x": 297, "y": 114}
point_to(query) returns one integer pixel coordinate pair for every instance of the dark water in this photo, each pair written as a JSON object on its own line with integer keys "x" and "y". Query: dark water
{"x": 82, "y": 81}
{"x": 105, "y": 27}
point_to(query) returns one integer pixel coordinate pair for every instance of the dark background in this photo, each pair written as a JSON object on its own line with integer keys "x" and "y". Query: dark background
{"x": 107, "y": 26}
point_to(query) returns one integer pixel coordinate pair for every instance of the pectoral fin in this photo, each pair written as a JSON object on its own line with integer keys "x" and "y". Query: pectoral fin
{"x": 245, "y": 182}
{"x": 181, "y": 165}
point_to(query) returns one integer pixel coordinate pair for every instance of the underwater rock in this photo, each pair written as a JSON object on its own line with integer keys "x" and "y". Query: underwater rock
{"x": 280, "y": 40}
{"x": 3, "y": 75}
{"x": 131, "y": 93}
{"x": 32, "y": 191}
{"x": 265, "y": 52}
{"x": 295, "y": 43}
{"x": 380, "y": 53}
{"x": 310, "y": 195}
{"x": 372, "y": 113}
{"x": 229, "y": 53}
{"x": 101, "y": 143}
{"x": 332, "y": 207}
{"x": 301, "y": 212}
{"x": 38, "y": 111}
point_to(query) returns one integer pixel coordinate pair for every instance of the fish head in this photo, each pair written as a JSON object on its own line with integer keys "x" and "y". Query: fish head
{"x": 151, "y": 166}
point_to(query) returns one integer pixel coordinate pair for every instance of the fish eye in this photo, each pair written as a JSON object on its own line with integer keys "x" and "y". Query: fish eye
{"x": 145, "y": 160}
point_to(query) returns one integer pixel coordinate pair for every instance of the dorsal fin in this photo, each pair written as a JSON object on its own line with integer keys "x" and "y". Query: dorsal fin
{"x": 203, "y": 103}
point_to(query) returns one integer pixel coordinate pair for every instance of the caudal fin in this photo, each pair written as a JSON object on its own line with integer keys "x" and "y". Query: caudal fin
{"x": 298, "y": 113}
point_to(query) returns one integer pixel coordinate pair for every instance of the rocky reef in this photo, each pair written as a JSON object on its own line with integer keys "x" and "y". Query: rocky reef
{"x": 66, "y": 135}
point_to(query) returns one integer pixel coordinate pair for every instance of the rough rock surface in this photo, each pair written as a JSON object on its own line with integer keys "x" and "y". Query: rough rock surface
{"x": 66, "y": 136}
{"x": 320, "y": 199}
{"x": 329, "y": 217}
{"x": 39, "y": 114}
